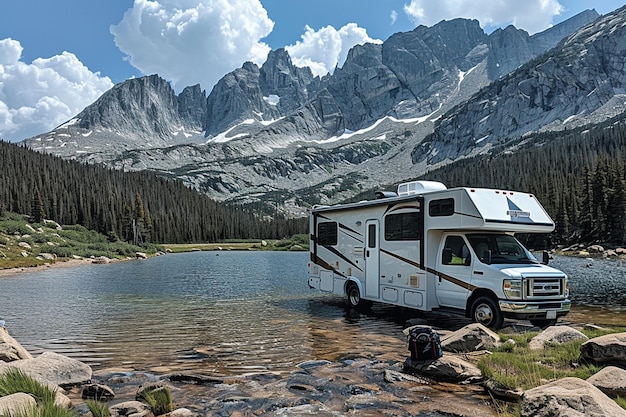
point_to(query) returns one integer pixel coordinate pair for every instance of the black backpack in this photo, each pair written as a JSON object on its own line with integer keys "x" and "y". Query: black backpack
{"x": 424, "y": 344}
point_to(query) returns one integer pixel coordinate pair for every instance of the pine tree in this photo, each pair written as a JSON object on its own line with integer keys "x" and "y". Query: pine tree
{"x": 37, "y": 212}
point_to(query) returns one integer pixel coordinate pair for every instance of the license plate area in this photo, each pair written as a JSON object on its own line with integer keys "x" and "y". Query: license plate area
{"x": 550, "y": 314}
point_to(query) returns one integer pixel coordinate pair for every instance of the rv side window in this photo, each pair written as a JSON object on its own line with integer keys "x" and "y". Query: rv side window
{"x": 455, "y": 252}
{"x": 402, "y": 226}
{"x": 327, "y": 233}
{"x": 443, "y": 207}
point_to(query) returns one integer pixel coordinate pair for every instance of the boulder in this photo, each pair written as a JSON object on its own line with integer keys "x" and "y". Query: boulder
{"x": 470, "y": 338}
{"x": 130, "y": 409}
{"x": 10, "y": 349}
{"x": 595, "y": 249}
{"x": 14, "y": 404}
{"x": 555, "y": 335}
{"x": 97, "y": 392}
{"x": 53, "y": 369}
{"x": 447, "y": 368}
{"x": 611, "y": 380}
{"x": 610, "y": 348}
{"x": 571, "y": 397}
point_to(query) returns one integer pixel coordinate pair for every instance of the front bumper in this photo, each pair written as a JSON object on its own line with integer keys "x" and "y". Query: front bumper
{"x": 525, "y": 310}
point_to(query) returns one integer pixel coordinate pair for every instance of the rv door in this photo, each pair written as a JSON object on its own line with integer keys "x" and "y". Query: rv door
{"x": 454, "y": 272}
{"x": 372, "y": 259}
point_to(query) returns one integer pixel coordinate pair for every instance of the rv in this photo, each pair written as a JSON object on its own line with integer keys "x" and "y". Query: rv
{"x": 430, "y": 248}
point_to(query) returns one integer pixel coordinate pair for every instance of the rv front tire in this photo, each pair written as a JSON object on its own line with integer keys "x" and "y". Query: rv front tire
{"x": 486, "y": 312}
{"x": 354, "y": 296}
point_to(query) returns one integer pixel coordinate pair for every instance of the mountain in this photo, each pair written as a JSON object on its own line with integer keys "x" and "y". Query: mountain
{"x": 275, "y": 135}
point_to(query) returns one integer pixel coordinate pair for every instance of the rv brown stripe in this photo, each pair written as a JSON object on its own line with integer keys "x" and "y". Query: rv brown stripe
{"x": 408, "y": 261}
{"x": 453, "y": 280}
{"x": 342, "y": 256}
{"x": 449, "y": 278}
{"x": 322, "y": 263}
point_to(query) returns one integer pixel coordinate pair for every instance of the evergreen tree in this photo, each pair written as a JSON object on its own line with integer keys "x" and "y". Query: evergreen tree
{"x": 37, "y": 212}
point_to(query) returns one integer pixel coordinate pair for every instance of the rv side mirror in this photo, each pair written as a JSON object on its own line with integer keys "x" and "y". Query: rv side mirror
{"x": 546, "y": 257}
{"x": 487, "y": 257}
{"x": 447, "y": 256}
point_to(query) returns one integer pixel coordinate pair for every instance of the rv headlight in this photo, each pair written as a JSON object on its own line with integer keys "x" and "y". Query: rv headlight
{"x": 512, "y": 288}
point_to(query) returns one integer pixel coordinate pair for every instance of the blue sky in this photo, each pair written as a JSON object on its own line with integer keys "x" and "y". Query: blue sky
{"x": 57, "y": 57}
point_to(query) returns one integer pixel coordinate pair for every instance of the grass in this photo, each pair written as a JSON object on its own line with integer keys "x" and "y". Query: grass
{"x": 294, "y": 243}
{"x": 14, "y": 380}
{"x": 97, "y": 408}
{"x": 518, "y": 368}
{"x": 159, "y": 399}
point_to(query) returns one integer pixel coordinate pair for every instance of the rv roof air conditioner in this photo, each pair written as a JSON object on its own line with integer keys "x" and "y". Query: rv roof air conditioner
{"x": 419, "y": 187}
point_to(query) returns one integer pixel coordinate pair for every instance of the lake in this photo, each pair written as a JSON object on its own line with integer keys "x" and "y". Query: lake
{"x": 229, "y": 312}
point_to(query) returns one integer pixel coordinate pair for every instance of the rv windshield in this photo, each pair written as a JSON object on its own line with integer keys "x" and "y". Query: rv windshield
{"x": 505, "y": 249}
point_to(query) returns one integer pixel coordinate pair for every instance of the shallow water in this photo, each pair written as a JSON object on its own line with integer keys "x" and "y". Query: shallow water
{"x": 230, "y": 312}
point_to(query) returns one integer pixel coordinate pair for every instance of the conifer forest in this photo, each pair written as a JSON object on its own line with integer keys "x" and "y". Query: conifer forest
{"x": 117, "y": 203}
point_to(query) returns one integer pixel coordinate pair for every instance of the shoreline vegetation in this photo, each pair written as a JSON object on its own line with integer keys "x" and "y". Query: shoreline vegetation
{"x": 27, "y": 247}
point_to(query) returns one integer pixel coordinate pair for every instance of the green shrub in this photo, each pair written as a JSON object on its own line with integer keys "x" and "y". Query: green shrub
{"x": 97, "y": 408}
{"x": 12, "y": 227}
{"x": 160, "y": 400}
{"x": 14, "y": 380}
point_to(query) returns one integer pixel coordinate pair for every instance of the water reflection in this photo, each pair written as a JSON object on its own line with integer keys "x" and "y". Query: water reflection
{"x": 231, "y": 313}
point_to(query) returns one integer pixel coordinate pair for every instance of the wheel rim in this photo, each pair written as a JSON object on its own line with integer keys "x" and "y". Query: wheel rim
{"x": 483, "y": 314}
{"x": 355, "y": 298}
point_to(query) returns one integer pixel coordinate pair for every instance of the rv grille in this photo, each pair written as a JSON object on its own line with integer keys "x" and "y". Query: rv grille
{"x": 538, "y": 288}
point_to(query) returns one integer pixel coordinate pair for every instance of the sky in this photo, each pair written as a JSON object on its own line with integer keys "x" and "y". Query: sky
{"x": 59, "y": 56}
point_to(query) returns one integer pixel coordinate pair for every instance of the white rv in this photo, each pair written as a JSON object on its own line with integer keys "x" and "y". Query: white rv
{"x": 427, "y": 247}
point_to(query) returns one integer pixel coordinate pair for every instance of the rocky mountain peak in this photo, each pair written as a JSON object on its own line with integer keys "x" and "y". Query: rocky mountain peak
{"x": 277, "y": 132}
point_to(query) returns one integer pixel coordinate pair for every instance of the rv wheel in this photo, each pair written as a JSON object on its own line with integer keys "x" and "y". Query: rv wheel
{"x": 486, "y": 312}
{"x": 354, "y": 296}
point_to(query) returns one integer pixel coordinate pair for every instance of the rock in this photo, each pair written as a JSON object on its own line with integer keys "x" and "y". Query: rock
{"x": 130, "y": 409}
{"x": 307, "y": 409}
{"x": 470, "y": 338}
{"x": 182, "y": 412}
{"x": 395, "y": 376}
{"x": 24, "y": 254}
{"x": 53, "y": 369}
{"x": 620, "y": 251}
{"x": 569, "y": 397}
{"x": 447, "y": 368}
{"x": 14, "y": 404}
{"x": 97, "y": 392}
{"x": 47, "y": 256}
{"x": 10, "y": 349}
{"x": 24, "y": 245}
{"x": 611, "y": 380}
{"x": 101, "y": 260}
{"x": 141, "y": 255}
{"x": 500, "y": 391}
{"x": 595, "y": 249}
{"x": 610, "y": 348}
{"x": 62, "y": 400}
{"x": 150, "y": 387}
{"x": 555, "y": 334}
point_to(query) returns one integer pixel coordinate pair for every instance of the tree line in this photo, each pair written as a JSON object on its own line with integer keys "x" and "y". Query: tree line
{"x": 578, "y": 175}
{"x": 128, "y": 205}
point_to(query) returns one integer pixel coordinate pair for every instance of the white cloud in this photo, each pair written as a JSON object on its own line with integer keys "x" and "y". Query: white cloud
{"x": 37, "y": 97}
{"x": 191, "y": 41}
{"x": 393, "y": 16}
{"x": 530, "y": 15}
{"x": 328, "y": 47}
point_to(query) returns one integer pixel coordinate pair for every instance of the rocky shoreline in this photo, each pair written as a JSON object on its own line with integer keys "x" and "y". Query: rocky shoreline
{"x": 364, "y": 385}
